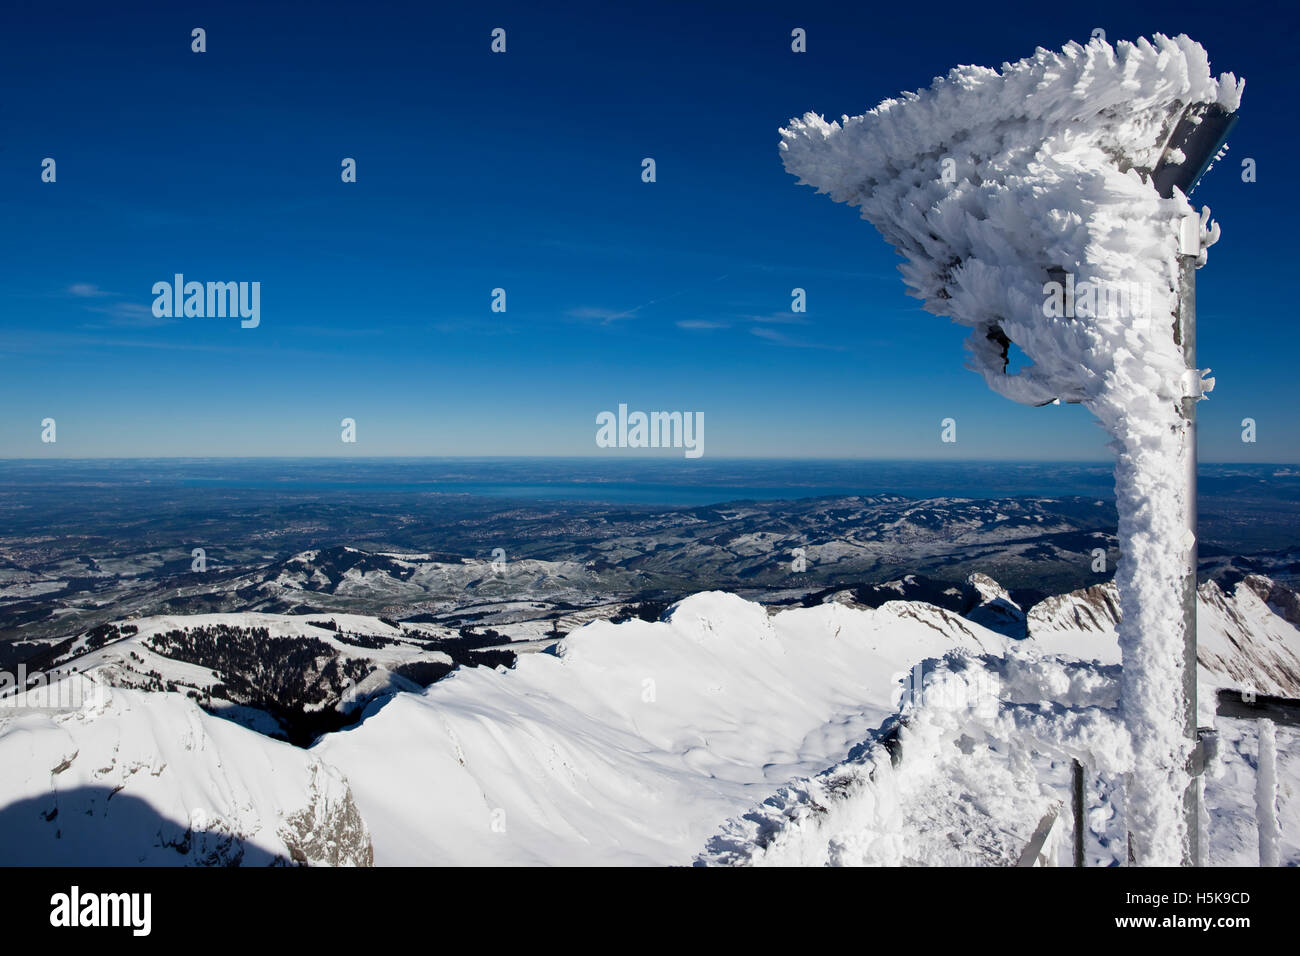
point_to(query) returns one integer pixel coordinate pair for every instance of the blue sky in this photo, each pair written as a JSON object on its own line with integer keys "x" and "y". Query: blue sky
{"x": 523, "y": 171}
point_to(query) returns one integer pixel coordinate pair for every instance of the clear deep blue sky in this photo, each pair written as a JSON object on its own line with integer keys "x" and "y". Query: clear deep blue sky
{"x": 523, "y": 171}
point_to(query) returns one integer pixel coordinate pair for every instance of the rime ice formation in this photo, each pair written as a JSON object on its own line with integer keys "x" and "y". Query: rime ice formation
{"x": 992, "y": 184}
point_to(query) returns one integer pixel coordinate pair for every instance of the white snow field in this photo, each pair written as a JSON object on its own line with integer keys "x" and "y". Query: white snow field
{"x": 986, "y": 183}
{"x": 985, "y": 755}
{"x": 652, "y": 743}
{"x": 632, "y": 742}
{"x": 637, "y": 740}
{"x": 149, "y": 778}
{"x": 967, "y": 781}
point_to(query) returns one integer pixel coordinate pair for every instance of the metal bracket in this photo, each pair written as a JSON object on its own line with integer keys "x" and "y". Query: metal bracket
{"x": 1206, "y": 749}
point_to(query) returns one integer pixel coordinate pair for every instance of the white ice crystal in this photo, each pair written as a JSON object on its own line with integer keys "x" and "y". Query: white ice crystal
{"x": 994, "y": 184}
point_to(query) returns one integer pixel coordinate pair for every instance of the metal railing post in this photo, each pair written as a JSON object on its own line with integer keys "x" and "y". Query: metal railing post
{"x": 1189, "y": 248}
{"x": 1079, "y": 808}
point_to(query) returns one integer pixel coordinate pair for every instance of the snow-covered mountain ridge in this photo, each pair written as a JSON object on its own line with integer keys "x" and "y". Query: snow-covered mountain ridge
{"x": 149, "y": 778}
{"x": 289, "y": 676}
{"x": 625, "y": 743}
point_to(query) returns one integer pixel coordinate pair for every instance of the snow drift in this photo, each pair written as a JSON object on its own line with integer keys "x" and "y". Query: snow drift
{"x": 631, "y": 742}
{"x": 962, "y": 780}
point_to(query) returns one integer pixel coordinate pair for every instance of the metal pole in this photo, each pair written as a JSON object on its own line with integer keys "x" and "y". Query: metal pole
{"x": 1185, "y": 334}
{"x": 1266, "y": 794}
{"x": 1078, "y": 813}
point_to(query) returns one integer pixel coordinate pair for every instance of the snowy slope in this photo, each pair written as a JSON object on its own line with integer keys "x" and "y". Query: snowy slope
{"x": 1242, "y": 641}
{"x": 965, "y": 790}
{"x": 636, "y": 740}
{"x": 632, "y": 741}
{"x": 965, "y": 779}
{"x": 325, "y": 678}
{"x": 635, "y": 743}
{"x": 148, "y": 778}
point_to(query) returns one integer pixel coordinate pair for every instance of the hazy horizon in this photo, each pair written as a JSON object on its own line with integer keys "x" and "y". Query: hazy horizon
{"x": 664, "y": 456}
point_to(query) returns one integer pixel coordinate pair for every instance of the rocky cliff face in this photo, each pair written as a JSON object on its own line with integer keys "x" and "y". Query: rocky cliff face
{"x": 1247, "y": 637}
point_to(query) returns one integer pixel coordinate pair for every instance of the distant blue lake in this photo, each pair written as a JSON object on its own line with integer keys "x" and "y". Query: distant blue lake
{"x": 633, "y": 482}
{"x": 681, "y": 484}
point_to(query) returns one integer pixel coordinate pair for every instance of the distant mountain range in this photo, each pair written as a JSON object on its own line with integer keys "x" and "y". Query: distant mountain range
{"x": 546, "y": 567}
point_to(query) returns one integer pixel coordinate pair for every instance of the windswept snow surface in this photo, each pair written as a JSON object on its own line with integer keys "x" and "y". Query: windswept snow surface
{"x": 656, "y": 743}
{"x": 965, "y": 782}
{"x": 984, "y": 753}
{"x": 632, "y": 742}
{"x": 131, "y": 777}
{"x": 635, "y": 742}
{"x": 988, "y": 182}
